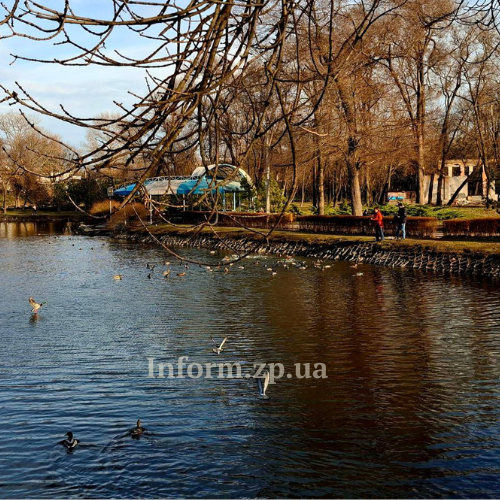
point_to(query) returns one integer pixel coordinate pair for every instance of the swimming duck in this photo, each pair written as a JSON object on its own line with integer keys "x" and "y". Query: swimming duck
{"x": 138, "y": 429}
{"x": 181, "y": 274}
{"x": 70, "y": 442}
{"x": 166, "y": 273}
{"x": 117, "y": 277}
{"x": 35, "y": 306}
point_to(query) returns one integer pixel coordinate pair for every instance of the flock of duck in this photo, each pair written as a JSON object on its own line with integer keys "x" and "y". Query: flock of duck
{"x": 70, "y": 442}
{"x": 286, "y": 262}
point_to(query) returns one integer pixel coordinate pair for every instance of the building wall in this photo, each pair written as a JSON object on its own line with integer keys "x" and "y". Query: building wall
{"x": 456, "y": 172}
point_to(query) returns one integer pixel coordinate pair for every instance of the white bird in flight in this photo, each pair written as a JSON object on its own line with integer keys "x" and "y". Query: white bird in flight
{"x": 218, "y": 349}
{"x": 262, "y": 383}
{"x": 35, "y": 306}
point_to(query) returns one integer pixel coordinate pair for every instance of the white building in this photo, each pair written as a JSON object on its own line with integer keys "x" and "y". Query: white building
{"x": 455, "y": 173}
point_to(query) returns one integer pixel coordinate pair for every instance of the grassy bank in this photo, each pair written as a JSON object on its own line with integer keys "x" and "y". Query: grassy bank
{"x": 443, "y": 246}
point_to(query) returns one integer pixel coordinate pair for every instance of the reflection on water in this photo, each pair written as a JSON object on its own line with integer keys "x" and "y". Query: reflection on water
{"x": 410, "y": 408}
{"x": 22, "y": 229}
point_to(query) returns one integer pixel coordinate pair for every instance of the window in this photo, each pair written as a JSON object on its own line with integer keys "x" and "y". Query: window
{"x": 456, "y": 171}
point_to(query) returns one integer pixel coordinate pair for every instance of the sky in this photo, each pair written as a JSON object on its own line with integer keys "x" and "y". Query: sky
{"x": 84, "y": 91}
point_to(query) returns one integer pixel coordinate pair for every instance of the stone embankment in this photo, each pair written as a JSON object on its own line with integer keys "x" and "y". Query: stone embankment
{"x": 413, "y": 256}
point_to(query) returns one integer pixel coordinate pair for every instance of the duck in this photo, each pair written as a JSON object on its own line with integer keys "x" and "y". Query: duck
{"x": 166, "y": 273}
{"x": 35, "y": 306}
{"x": 138, "y": 429}
{"x": 70, "y": 442}
{"x": 117, "y": 277}
{"x": 181, "y": 274}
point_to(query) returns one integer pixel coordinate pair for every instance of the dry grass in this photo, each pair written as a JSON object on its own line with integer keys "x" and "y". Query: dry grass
{"x": 100, "y": 208}
{"x": 128, "y": 214}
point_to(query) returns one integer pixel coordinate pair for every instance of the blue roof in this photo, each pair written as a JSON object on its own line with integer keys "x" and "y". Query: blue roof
{"x": 195, "y": 186}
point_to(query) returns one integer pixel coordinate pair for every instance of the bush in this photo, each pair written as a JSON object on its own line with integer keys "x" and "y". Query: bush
{"x": 340, "y": 224}
{"x": 128, "y": 214}
{"x": 237, "y": 219}
{"x": 470, "y": 228}
{"x": 350, "y": 224}
{"x": 87, "y": 191}
{"x": 295, "y": 209}
{"x": 100, "y": 208}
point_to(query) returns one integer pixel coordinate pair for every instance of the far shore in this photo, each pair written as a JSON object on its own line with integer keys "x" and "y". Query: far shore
{"x": 20, "y": 215}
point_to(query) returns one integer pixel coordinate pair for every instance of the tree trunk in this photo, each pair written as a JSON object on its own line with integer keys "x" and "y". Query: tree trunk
{"x": 455, "y": 194}
{"x": 357, "y": 206}
{"x": 321, "y": 186}
{"x": 439, "y": 194}
{"x": 431, "y": 187}
{"x": 314, "y": 188}
{"x": 4, "y": 186}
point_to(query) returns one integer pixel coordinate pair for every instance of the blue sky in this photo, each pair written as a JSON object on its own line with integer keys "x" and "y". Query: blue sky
{"x": 84, "y": 91}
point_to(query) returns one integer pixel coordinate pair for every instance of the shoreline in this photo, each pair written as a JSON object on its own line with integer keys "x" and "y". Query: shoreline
{"x": 444, "y": 257}
{"x": 43, "y": 217}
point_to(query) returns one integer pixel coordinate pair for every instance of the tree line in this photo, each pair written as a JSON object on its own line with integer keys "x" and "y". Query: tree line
{"x": 328, "y": 99}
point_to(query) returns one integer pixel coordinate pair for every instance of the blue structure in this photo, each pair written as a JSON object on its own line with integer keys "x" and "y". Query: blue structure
{"x": 223, "y": 177}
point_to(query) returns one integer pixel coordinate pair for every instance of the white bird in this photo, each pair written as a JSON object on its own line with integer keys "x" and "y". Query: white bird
{"x": 35, "y": 306}
{"x": 262, "y": 383}
{"x": 218, "y": 349}
{"x": 358, "y": 274}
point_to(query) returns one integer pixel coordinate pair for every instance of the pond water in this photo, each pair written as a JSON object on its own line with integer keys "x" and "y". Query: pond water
{"x": 410, "y": 408}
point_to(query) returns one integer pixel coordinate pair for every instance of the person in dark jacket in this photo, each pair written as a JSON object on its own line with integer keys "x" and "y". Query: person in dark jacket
{"x": 401, "y": 218}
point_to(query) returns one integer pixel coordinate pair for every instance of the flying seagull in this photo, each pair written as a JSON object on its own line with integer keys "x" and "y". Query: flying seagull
{"x": 262, "y": 383}
{"x": 218, "y": 349}
{"x": 35, "y": 306}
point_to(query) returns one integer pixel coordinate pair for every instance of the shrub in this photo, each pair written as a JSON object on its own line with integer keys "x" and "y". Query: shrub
{"x": 350, "y": 224}
{"x": 128, "y": 214}
{"x": 295, "y": 209}
{"x": 87, "y": 191}
{"x": 100, "y": 208}
{"x": 485, "y": 227}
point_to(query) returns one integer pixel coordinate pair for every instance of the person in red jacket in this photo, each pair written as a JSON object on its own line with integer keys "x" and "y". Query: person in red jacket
{"x": 378, "y": 219}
